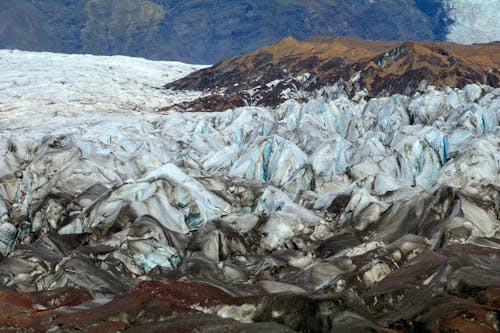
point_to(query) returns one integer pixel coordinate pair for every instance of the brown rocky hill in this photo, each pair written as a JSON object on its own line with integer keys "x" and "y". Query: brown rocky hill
{"x": 271, "y": 74}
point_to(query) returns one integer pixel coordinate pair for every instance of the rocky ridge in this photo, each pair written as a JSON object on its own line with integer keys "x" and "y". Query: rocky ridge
{"x": 330, "y": 65}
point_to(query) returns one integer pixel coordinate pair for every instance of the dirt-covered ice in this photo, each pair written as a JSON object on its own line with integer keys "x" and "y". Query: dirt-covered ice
{"x": 369, "y": 200}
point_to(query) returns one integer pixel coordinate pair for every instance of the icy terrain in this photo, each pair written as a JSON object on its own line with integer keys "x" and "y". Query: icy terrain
{"x": 332, "y": 194}
{"x": 473, "y": 21}
{"x": 76, "y": 85}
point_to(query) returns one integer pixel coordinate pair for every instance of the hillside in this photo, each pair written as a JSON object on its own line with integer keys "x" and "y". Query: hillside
{"x": 291, "y": 68}
{"x": 208, "y": 31}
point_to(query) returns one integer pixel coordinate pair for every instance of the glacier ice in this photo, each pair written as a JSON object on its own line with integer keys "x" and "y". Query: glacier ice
{"x": 261, "y": 186}
{"x": 8, "y": 233}
{"x": 271, "y": 159}
{"x": 473, "y": 21}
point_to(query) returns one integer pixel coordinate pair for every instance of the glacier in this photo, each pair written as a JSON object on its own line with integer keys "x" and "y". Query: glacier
{"x": 473, "y": 21}
{"x": 85, "y": 154}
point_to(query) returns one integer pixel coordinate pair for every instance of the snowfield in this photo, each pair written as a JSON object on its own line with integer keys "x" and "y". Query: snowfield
{"x": 40, "y": 87}
{"x": 82, "y": 151}
{"x": 473, "y": 21}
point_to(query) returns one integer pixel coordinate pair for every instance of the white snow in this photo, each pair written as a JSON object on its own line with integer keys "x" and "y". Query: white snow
{"x": 60, "y": 87}
{"x": 474, "y": 21}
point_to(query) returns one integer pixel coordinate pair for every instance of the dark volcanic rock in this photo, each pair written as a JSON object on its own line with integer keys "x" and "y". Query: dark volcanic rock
{"x": 203, "y": 323}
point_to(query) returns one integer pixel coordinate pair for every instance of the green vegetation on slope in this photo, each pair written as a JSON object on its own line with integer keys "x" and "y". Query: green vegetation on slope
{"x": 121, "y": 26}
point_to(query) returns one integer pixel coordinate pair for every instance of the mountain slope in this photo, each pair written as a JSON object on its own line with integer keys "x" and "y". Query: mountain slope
{"x": 205, "y": 32}
{"x": 289, "y": 68}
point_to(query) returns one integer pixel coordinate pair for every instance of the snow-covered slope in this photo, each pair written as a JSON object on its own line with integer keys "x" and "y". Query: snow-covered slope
{"x": 50, "y": 84}
{"x": 473, "y": 21}
{"x": 255, "y": 190}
